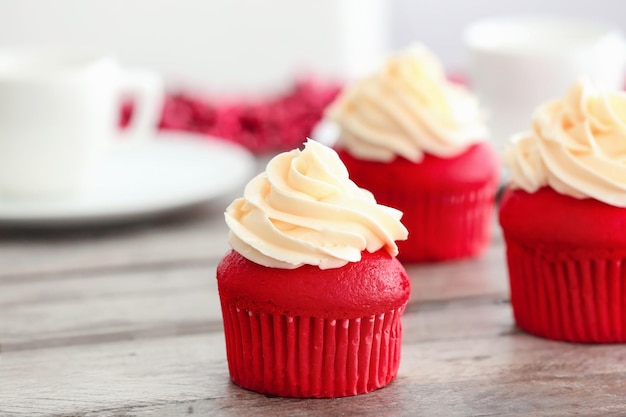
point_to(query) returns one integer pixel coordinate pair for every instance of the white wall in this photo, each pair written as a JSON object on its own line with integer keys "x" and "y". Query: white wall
{"x": 439, "y": 23}
{"x": 249, "y": 45}
{"x": 221, "y": 44}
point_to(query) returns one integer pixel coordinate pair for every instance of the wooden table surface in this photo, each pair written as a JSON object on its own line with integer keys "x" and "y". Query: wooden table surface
{"x": 125, "y": 321}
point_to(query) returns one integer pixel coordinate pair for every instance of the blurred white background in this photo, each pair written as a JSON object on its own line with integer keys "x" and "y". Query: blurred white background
{"x": 255, "y": 45}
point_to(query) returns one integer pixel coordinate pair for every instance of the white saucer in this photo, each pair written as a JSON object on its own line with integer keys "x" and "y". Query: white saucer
{"x": 173, "y": 171}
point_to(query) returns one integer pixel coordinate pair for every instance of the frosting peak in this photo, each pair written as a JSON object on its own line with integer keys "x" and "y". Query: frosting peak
{"x": 304, "y": 209}
{"x": 577, "y": 146}
{"x": 407, "y": 108}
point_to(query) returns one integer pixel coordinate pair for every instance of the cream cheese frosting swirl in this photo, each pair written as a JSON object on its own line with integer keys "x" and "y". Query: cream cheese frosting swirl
{"x": 304, "y": 209}
{"x": 407, "y": 108}
{"x": 577, "y": 146}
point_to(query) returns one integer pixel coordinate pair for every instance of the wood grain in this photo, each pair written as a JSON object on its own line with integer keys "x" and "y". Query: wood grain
{"x": 196, "y": 235}
{"x": 491, "y": 373}
{"x": 126, "y": 322}
{"x": 106, "y": 306}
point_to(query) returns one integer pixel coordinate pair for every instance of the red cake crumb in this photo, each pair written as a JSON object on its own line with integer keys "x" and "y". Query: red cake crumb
{"x": 267, "y": 125}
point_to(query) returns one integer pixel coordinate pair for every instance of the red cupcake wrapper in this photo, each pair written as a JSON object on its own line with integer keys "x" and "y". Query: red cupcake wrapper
{"x": 444, "y": 226}
{"x": 573, "y": 295}
{"x": 309, "y": 357}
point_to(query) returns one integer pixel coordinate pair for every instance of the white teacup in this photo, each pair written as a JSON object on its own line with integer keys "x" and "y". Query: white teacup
{"x": 516, "y": 63}
{"x": 59, "y": 114}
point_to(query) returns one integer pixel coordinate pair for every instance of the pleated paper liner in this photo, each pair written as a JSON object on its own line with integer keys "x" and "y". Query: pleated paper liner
{"x": 444, "y": 226}
{"x": 573, "y": 295}
{"x": 309, "y": 357}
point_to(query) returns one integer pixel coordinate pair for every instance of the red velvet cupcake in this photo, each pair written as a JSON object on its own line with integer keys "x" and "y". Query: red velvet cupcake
{"x": 449, "y": 202}
{"x": 312, "y": 293}
{"x": 418, "y": 142}
{"x": 563, "y": 219}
